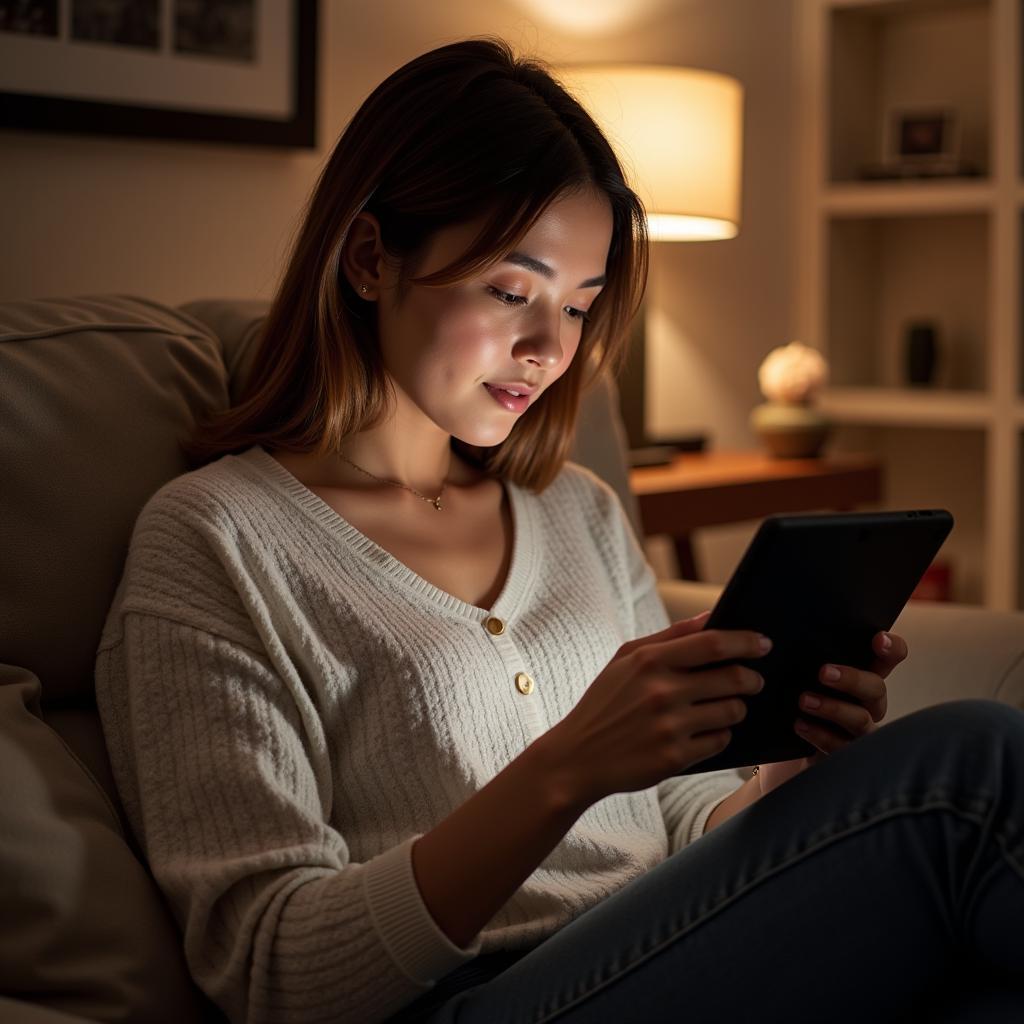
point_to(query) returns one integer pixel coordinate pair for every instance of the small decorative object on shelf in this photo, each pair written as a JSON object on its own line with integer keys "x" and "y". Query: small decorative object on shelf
{"x": 921, "y": 144}
{"x": 788, "y": 424}
{"x": 922, "y": 353}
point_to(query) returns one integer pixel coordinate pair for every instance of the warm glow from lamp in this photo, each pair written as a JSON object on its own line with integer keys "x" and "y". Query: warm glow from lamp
{"x": 591, "y": 18}
{"x": 678, "y": 133}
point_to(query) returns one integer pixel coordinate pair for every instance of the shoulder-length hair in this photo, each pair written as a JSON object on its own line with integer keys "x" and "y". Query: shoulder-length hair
{"x": 468, "y": 130}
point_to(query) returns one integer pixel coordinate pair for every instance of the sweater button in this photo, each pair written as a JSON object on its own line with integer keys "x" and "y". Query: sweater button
{"x": 524, "y": 684}
{"x": 495, "y": 626}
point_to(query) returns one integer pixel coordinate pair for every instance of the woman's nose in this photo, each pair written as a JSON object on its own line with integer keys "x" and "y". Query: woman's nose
{"x": 544, "y": 344}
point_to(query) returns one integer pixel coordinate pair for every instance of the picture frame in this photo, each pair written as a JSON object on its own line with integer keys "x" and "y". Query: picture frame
{"x": 227, "y": 71}
{"x": 922, "y": 136}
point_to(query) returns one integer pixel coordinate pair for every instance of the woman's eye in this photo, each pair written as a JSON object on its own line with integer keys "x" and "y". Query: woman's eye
{"x": 509, "y": 300}
{"x": 520, "y": 300}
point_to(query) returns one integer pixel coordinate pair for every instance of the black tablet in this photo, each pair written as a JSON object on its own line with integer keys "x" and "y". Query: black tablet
{"x": 821, "y": 586}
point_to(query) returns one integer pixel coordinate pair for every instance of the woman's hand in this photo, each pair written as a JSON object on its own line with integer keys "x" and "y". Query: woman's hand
{"x": 663, "y": 702}
{"x": 838, "y": 721}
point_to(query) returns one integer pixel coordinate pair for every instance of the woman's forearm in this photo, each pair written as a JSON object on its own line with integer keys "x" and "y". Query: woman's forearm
{"x": 747, "y": 794}
{"x": 472, "y": 862}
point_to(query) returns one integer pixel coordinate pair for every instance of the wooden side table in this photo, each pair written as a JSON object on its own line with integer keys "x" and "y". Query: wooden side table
{"x": 709, "y": 488}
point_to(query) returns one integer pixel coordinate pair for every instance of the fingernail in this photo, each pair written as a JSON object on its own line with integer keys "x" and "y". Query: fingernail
{"x": 831, "y": 673}
{"x": 886, "y": 641}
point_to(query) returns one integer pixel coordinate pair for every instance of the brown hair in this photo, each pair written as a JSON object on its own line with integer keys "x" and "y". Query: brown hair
{"x": 464, "y": 131}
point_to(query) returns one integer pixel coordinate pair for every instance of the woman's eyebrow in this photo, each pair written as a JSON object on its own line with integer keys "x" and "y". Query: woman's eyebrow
{"x": 522, "y": 260}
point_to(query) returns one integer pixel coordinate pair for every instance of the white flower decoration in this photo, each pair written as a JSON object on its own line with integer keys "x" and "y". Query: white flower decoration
{"x": 792, "y": 373}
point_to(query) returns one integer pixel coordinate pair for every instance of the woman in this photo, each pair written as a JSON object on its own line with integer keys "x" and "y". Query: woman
{"x": 393, "y": 705}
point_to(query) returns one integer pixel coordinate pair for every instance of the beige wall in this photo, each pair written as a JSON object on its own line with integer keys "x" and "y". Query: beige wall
{"x": 175, "y": 221}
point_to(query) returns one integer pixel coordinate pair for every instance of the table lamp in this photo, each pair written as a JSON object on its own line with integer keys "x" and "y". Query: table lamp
{"x": 678, "y": 134}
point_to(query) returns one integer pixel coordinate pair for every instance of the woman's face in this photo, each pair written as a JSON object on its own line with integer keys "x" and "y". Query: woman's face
{"x": 511, "y": 323}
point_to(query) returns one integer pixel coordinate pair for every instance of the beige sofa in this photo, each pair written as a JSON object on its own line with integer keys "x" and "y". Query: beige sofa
{"x": 95, "y": 392}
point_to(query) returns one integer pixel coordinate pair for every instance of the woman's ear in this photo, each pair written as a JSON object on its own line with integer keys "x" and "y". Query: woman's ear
{"x": 362, "y": 255}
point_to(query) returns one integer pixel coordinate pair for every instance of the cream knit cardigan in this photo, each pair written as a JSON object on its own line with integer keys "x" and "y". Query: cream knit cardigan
{"x": 287, "y": 707}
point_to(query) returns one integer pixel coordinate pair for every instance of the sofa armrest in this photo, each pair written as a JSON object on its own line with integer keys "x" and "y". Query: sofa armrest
{"x": 956, "y": 651}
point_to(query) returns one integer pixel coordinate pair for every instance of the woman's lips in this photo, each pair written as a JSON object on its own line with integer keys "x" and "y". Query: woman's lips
{"x": 511, "y": 402}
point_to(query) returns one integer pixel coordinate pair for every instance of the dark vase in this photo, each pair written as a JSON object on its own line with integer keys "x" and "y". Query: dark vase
{"x": 921, "y": 353}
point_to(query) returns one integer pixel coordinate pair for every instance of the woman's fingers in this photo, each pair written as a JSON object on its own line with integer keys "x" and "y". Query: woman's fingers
{"x": 711, "y": 646}
{"x": 821, "y": 736}
{"x": 867, "y": 688}
{"x": 855, "y": 719}
{"x": 681, "y": 627}
{"x": 863, "y": 686}
{"x": 887, "y": 657}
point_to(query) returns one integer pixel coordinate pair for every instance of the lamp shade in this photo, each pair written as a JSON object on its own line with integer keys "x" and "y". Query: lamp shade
{"x": 678, "y": 133}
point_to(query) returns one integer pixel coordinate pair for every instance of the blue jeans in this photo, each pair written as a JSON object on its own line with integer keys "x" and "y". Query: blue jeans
{"x": 885, "y": 883}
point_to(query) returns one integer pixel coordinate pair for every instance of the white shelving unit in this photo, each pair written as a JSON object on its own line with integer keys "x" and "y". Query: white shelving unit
{"x": 877, "y": 255}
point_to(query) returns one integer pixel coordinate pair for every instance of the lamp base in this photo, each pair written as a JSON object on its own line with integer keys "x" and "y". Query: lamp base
{"x": 790, "y": 430}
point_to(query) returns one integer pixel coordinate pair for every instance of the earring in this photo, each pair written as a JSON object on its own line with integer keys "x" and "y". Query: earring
{"x": 363, "y": 289}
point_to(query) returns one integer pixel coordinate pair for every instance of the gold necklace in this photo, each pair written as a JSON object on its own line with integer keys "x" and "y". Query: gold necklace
{"x": 436, "y": 502}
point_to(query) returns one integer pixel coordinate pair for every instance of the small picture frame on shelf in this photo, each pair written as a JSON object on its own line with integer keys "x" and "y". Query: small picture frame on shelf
{"x": 923, "y": 137}
{"x": 920, "y": 142}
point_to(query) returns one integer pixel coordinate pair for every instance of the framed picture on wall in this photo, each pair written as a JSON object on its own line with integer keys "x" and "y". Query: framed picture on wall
{"x": 237, "y": 71}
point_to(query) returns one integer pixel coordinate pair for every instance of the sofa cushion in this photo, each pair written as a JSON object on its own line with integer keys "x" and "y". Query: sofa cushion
{"x": 86, "y": 931}
{"x": 237, "y": 323}
{"x": 97, "y": 390}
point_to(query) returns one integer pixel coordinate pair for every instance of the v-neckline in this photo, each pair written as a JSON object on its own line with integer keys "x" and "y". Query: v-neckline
{"x": 522, "y": 565}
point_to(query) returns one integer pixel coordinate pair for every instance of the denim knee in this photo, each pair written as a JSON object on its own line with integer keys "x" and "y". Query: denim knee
{"x": 972, "y": 714}
{"x": 978, "y": 726}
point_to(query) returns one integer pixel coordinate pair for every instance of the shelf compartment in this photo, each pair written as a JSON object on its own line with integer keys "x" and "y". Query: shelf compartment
{"x": 897, "y": 56}
{"x": 923, "y": 407}
{"x": 919, "y": 465}
{"x": 881, "y": 278}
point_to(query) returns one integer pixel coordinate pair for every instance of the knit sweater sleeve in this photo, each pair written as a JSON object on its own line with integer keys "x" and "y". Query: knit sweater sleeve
{"x": 223, "y": 766}
{"x": 686, "y": 801}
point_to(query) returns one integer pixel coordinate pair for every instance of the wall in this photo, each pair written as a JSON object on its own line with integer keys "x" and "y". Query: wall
{"x": 176, "y": 221}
